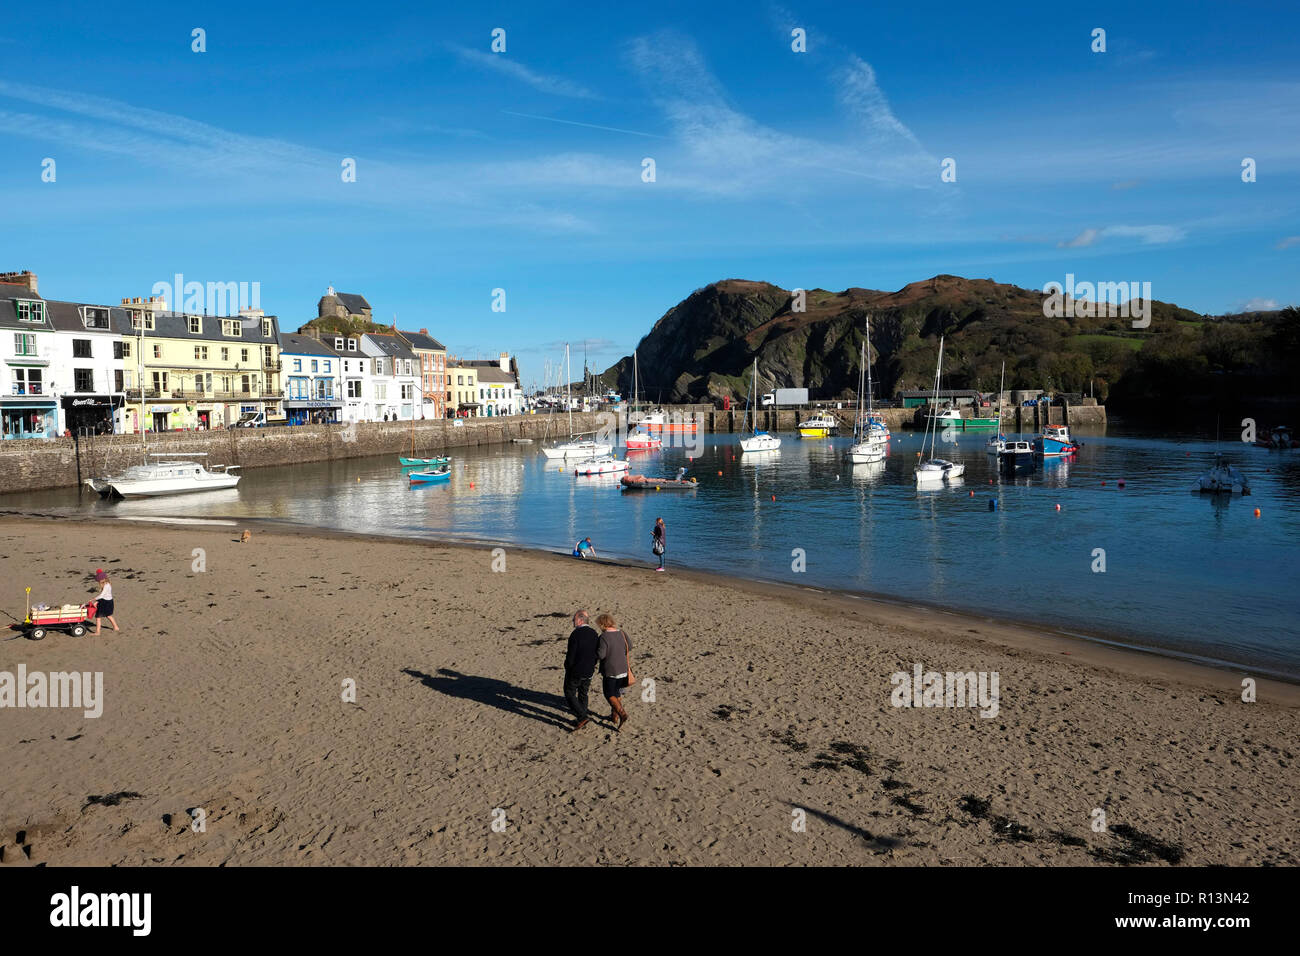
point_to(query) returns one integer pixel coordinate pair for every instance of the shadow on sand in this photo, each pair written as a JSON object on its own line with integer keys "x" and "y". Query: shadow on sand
{"x": 497, "y": 693}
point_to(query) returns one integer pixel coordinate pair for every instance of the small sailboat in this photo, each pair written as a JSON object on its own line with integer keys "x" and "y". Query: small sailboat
{"x": 420, "y": 462}
{"x": 584, "y": 448}
{"x": 820, "y": 425}
{"x": 934, "y": 470}
{"x": 868, "y": 443}
{"x": 996, "y": 444}
{"x": 434, "y": 474}
{"x": 640, "y": 439}
{"x": 756, "y": 440}
{"x": 604, "y": 465}
{"x": 1223, "y": 479}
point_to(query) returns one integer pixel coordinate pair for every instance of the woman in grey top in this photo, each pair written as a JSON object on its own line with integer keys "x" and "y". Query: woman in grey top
{"x": 612, "y": 652}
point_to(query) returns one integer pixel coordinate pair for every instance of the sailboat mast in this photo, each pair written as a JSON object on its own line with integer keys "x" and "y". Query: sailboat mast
{"x": 568, "y": 387}
{"x": 868, "y": 354}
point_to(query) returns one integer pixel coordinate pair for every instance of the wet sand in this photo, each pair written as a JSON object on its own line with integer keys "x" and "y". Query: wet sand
{"x": 770, "y": 706}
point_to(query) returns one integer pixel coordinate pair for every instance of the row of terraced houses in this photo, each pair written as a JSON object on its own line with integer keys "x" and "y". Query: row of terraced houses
{"x": 77, "y": 367}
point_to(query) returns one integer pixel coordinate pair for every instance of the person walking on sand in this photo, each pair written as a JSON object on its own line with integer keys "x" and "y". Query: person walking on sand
{"x": 104, "y": 603}
{"x": 579, "y": 665}
{"x": 659, "y": 541}
{"x": 615, "y": 668}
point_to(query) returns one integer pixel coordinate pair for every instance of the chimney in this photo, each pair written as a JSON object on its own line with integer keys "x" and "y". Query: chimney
{"x": 25, "y": 278}
{"x": 424, "y": 331}
{"x": 505, "y": 361}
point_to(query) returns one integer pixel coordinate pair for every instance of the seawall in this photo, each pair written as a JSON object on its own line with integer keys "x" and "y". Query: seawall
{"x": 37, "y": 464}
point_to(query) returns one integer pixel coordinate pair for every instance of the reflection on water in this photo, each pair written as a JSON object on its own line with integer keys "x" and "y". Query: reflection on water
{"x": 1189, "y": 572}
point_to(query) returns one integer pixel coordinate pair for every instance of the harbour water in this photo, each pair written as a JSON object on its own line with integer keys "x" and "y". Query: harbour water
{"x": 1184, "y": 573}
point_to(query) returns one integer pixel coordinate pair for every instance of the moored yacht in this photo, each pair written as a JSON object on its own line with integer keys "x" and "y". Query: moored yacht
{"x": 171, "y": 475}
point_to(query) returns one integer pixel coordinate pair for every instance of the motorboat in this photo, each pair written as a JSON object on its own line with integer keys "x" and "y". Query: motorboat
{"x": 435, "y": 474}
{"x": 1016, "y": 455}
{"x": 818, "y": 426}
{"x": 171, "y": 474}
{"x": 1055, "y": 441}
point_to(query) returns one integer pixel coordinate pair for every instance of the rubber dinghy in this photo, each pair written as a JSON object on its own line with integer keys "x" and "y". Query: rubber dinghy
{"x": 649, "y": 483}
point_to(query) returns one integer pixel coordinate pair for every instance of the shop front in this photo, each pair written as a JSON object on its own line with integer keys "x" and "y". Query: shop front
{"x": 28, "y": 417}
{"x": 312, "y": 411}
{"x": 93, "y": 414}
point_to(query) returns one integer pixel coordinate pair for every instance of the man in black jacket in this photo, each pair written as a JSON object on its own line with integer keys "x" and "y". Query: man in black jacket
{"x": 579, "y": 665}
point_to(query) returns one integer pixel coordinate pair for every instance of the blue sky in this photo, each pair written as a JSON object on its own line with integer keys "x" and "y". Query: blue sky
{"x": 523, "y": 170}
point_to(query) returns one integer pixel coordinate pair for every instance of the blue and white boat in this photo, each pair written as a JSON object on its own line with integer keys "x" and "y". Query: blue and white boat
{"x": 424, "y": 477}
{"x": 1054, "y": 442}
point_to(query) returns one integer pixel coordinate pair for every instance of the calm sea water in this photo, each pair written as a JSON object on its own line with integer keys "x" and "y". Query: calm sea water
{"x": 1185, "y": 573}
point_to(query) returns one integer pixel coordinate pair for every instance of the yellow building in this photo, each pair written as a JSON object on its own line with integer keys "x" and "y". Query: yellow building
{"x": 462, "y": 390}
{"x": 199, "y": 371}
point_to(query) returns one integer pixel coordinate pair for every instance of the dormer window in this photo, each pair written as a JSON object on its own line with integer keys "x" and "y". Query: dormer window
{"x": 266, "y": 328}
{"x": 232, "y": 328}
{"x": 195, "y": 324}
{"x": 94, "y": 317}
{"x": 352, "y": 345}
{"x": 338, "y": 345}
{"x": 31, "y": 311}
{"x": 141, "y": 319}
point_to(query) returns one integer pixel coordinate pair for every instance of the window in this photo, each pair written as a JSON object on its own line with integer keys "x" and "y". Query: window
{"x": 27, "y": 381}
{"x": 83, "y": 380}
{"x": 196, "y": 324}
{"x": 232, "y": 329}
{"x": 297, "y": 365}
{"x": 81, "y": 348}
{"x": 352, "y": 345}
{"x": 117, "y": 351}
{"x": 460, "y": 379}
{"x": 126, "y": 349}
{"x": 298, "y": 388}
{"x": 354, "y": 388}
{"x": 324, "y": 388}
{"x": 140, "y": 318}
{"x": 157, "y": 350}
{"x": 408, "y": 392}
{"x": 24, "y": 343}
{"x": 266, "y": 328}
{"x": 93, "y": 317}
{"x": 338, "y": 345}
{"x": 327, "y": 365}
{"x": 314, "y": 363}
{"x": 243, "y": 355}
{"x": 207, "y": 384}
{"x": 379, "y": 366}
{"x": 246, "y": 385}
{"x": 200, "y": 353}
{"x": 30, "y": 311}
{"x": 160, "y": 381}
{"x": 268, "y": 356}
{"x": 119, "y": 380}
{"x": 381, "y": 391}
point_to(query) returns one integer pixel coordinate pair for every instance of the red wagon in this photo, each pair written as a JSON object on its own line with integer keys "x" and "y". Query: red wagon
{"x": 70, "y": 618}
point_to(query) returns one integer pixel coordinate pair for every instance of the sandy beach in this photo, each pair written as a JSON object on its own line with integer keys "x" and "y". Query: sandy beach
{"x": 763, "y": 731}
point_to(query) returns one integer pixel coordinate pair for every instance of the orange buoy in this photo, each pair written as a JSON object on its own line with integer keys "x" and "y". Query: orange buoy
{"x": 719, "y": 474}
{"x": 471, "y": 484}
{"x": 774, "y": 497}
{"x": 1103, "y": 483}
{"x": 972, "y": 494}
{"x": 1058, "y": 507}
{"x": 1256, "y": 512}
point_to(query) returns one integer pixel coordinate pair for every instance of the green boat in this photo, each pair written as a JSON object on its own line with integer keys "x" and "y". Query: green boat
{"x": 422, "y": 462}
{"x": 951, "y": 418}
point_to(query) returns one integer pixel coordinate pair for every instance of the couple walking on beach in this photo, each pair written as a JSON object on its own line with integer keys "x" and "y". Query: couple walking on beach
{"x": 606, "y": 645}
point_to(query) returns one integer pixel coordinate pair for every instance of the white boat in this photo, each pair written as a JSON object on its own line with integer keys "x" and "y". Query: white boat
{"x": 998, "y": 443}
{"x": 1223, "y": 479}
{"x": 756, "y": 441}
{"x": 936, "y": 470}
{"x": 640, "y": 439}
{"x": 582, "y": 448}
{"x": 577, "y": 449}
{"x": 868, "y": 443}
{"x": 171, "y": 475}
{"x": 604, "y": 465}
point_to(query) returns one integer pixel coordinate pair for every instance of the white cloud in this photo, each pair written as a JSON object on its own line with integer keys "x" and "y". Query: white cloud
{"x": 501, "y": 63}
{"x": 1147, "y": 235}
{"x": 1259, "y": 305}
{"x": 1288, "y": 242}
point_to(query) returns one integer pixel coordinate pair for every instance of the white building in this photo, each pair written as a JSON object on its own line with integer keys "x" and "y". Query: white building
{"x": 313, "y": 381}
{"x": 498, "y": 386}
{"x": 396, "y": 377}
{"x": 28, "y": 408}
{"x": 87, "y": 373}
